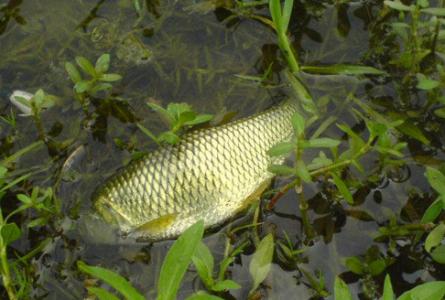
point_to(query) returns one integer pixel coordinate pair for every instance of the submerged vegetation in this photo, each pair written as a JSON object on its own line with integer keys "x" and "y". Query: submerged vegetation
{"x": 356, "y": 212}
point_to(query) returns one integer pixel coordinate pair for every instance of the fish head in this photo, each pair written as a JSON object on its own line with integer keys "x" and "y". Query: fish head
{"x": 112, "y": 213}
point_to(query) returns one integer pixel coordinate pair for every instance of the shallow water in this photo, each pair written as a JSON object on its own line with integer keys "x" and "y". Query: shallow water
{"x": 181, "y": 53}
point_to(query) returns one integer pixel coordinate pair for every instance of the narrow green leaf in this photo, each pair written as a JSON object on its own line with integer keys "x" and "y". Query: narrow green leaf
{"x": 341, "y": 290}
{"x": 168, "y": 116}
{"x": 282, "y": 170}
{"x": 281, "y": 149}
{"x": 113, "y": 279}
{"x": 322, "y": 143}
{"x": 103, "y": 63}
{"x": 275, "y": 11}
{"x": 110, "y": 77}
{"x": 343, "y": 188}
{"x": 261, "y": 261}
{"x": 287, "y": 12}
{"x": 37, "y": 222}
{"x": 355, "y": 265}
{"x": 169, "y": 137}
{"x": 436, "y": 11}
{"x": 86, "y": 66}
{"x": 203, "y": 261}
{"x": 184, "y": 117}
{"x": 397, "y": 5}
{"x": 388, "y": 293}
{"x": 82, "y": 86}
{"x": 429, "y": 291}
{"x": 425, "y": 83}
{"x": 302, "y": 171}
{"x": 343, "y": 70}
{"x": 225, "y": 285}
{"x": 176, "y": 109}
{"x": 73, "y": 73}
{"x": 201, "y": 295}
{"x": 148, "y": 133}
{"x": 438, "y": 254}
{"x": 440, "y": 112}
{"x": 10, "y": 232}
{"x": 199, "y": 120}
{"x": 435, "y": 237}
{"x": 177, "y": 260}
{"x": 436, "y": 179}
{"x": 102, "y": 294}
{"x": 432, "y": 212}
{"x": 410, "y": 129}
{"x": 298, "y": 123}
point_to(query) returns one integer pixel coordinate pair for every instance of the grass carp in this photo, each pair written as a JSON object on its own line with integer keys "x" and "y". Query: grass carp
{"x": 211, "y": 174}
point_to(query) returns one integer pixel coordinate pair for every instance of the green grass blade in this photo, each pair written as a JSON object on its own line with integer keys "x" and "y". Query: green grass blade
{"x": 177, "y": 260}
{"x": 116, "y": 281}
{"x": 343, "y": 70}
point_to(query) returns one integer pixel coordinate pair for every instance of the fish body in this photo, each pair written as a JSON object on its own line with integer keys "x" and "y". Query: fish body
{"x": 211, "y": 174}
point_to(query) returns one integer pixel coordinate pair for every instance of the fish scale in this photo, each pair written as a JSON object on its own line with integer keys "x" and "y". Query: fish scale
{"x": 208, "y": 175}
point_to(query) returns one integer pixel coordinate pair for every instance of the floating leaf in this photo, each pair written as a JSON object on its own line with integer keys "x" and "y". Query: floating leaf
{"x": 10, "y": 232}
{"x": 341, "y": 290}
{"x": 177, "y": 260}
{"x": 430, "y": 290}
{"x": 281, "y": 149}
{"x": 435, "y": 237}
{"x": 114, "y": 280}
{"x": 388, "y": 293}
{"x": 343, "y": 70}
{"x": 261, "y": 261}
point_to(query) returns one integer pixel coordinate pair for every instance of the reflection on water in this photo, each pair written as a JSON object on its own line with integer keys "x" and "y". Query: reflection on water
{"x": 189, "y": 52}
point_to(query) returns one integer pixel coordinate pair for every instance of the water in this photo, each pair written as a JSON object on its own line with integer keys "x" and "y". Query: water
{"x": 188, "y": 52}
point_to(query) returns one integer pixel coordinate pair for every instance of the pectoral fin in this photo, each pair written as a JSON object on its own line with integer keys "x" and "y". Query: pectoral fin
{"x": 157, "y": 225}
{"x": 255, "y": 195}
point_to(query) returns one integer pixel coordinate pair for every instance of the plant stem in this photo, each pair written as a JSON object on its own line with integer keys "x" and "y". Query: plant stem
{"x": 288, "y": 53}
{"x": 320, "y": 171}
{"x": 6, "y": 274}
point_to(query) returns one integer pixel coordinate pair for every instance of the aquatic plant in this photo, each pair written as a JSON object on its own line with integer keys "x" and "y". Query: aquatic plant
{"x": 178, "y": 116}
{"x": 99, "y": 80}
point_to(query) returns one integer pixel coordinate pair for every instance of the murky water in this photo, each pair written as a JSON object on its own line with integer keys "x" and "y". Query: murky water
{"x": 184, "y": 52}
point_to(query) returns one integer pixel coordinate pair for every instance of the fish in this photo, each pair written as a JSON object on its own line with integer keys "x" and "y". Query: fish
{"x": 212, "y": 174}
